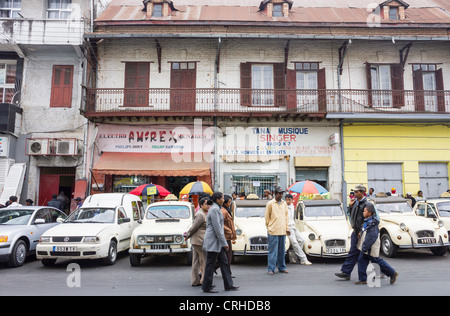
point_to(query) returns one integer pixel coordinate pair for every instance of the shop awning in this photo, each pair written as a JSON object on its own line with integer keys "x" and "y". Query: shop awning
{"x": 113, "y": 163}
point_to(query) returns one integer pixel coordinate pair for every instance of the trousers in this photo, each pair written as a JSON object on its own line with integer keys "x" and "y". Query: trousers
{"x": 211, "y": 259}
{"x": 275, "y": 256}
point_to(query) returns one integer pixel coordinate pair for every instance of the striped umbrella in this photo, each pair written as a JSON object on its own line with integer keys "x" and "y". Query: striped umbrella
{"x": 307, "y": 187}
{"x": 195, "y": 188}
{"x": 150, "y": 189}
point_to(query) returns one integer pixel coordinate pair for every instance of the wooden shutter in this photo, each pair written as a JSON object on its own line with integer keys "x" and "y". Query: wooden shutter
{"x": 62, "y": 85}
{"x": 397, "y": 82}
{"x": 279, "y": 84}
{"x": 246, "y": 84}
{"x": 137, "y": 76}
{"x": 419, "y": 96}
{"x": 322, "y": 93}
{"x": 369, "y": 84}
{"x": 291, "y": 85}
{"x": 440, "y": 90}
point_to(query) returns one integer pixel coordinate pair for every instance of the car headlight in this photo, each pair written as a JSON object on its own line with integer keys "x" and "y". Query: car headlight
{"x": 3, "y": 238}
{"x": 45, "y": 239}
{"x": 178, "y": 239}
{"x": 141, "y": 240}
{"x": 91, "y": 239}
{"x": 403, "y": 227}
{"x": 238, "y": 232}
{"x": 440, "y": 223}
{"x": 312, "y": 236}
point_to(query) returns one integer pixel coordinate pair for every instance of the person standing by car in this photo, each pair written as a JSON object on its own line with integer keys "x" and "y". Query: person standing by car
{"x": 216, "y": 246}
{"x": 277, "y": 228}
{"x": 54, "y": 202}
{"x": 197, "y": 232}
{"x": 355, "y": 210}
{"x": 369, "y": 245}
{"x": 228, "y": 224}
{"x": 295, "y": 238}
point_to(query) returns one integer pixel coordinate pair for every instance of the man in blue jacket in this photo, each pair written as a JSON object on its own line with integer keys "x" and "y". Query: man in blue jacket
{"x": 369, "y": 245}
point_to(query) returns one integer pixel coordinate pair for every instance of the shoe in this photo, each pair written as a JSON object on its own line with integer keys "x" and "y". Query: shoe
{"x": 270, "y": 273}
{"x": 284, "y": 271}
{"x": 211, "y": 291}
{"x": 361, "y": 282}
{"x": 306, "y": 263}
{"x": 394, "y": 277}
{"x": 197, "y": 284}
{"x": 233, "y": 288}
{"x": 342, "y": 275}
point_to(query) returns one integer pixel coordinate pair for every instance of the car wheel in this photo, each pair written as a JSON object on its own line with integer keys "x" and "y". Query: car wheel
{"x": 439, "y": 251}
{"x": 388, "y": 248}
{"x": 112, "y": 254}
{"x": 48, "y": 262}
{"x": 135, "y": 260}
{"x": 18, "y": 254}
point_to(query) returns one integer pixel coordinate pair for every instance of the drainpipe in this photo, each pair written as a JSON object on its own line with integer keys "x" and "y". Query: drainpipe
{"x": 344, "y": 184}
{"x": 216, "y": 106}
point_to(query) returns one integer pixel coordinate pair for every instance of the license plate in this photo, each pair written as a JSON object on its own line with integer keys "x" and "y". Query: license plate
{"x": 427, "y": 241}
{"x": 159, "y": 247}
{"x": 64, "y": 248}
{"x": 259, "y": 248}
{"x": 335, "y": 250}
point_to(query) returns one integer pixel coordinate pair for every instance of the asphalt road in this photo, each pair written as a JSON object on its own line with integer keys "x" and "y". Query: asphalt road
{"x": 420, "y": 274}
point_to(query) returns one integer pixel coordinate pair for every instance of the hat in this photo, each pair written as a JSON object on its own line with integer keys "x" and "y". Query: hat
{"x": 78, "y": 199}
{"x": 393, "y": 190}
{"x": 278, "y": 190}
{"x": 359, "y": 187}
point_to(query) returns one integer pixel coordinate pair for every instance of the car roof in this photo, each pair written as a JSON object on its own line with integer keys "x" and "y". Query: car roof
{"x": 34, "y": 207}
{"x": 435, "y": 200}
{"x": 320, "y": 202}
{"x": 387, "y": 199}
{"x": 248, "y": 203}
{"x": 189, "y": 204}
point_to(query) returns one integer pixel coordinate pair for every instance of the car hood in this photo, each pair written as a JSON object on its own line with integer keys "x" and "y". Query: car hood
{"x": 251, "y": 226}
{"x": 413, "y": 222}
{"x": 326, "y": 229}
{"x": 11, "y": 229}
{"x": 163, "y": 227}
{"x": 77, "y": 229}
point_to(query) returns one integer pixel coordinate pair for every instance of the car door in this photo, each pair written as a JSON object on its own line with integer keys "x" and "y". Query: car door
{"x": 40, "y": 228}
{"x": 124, "y": 229}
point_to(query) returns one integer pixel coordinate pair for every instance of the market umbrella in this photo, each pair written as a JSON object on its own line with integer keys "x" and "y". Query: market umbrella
{"x": 150, "y": 189}
{"x": 307, "y": 189}
{"x": 196, "y": 188}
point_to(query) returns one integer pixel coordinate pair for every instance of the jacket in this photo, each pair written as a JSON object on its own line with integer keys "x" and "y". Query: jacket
{"x": 356, "y": 214}
{"x": 369, "y": 242}
{"x": 230, "y": 232}
{"x": 197, "y": 231}
{"x": 277, "y": 219}
{"x": 55, "y": 203}
{"x": 214, "y": 239}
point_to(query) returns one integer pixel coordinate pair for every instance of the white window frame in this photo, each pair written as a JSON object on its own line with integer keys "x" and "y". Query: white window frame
{"x": 13, "y": 11}
{"x": 59, "y": 11}
{"x": 382, "y": 99}
{"x": 261, "y": 86}
{"x": 3, "y": 84}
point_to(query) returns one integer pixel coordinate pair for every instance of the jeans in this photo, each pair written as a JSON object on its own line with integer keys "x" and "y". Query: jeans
{"x": 363, "y": 262}
{"x": 352, "y": 257}
{"x": 276, "y": 252}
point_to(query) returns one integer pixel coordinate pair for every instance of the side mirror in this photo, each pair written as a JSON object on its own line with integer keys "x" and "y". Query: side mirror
{"x": 39, "y": 221}
{"x": 124, "y": 220}
{"x": 60, "y": 220}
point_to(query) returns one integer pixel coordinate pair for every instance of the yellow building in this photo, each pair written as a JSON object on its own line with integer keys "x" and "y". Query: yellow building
{"x": 406, "y": 156}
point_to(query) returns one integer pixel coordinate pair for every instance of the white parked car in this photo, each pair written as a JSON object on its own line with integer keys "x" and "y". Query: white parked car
{"x": 401, "y": 228}
{"x": 251, "y": 230}
{"x": 161, "y": 231}
{"x": 324, "y": 227}
{"x": 100, "y": 229}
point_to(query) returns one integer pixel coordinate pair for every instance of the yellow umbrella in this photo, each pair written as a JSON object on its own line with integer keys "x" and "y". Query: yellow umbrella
{"x": 195, "y": 188}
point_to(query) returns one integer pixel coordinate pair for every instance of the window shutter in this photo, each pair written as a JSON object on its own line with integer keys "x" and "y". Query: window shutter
{"x": 246, "y": 84}
{"x": 137, "y": 76}
{"x": 322, "y": 93}
{"x": 62, "y": 85}
{"x": 419, "y": 97}
{"x": 279, "y": 84}
{"x": 291, "y": 85}
{"x": 398, "y": 96}
{"x": 369, "y": 84}
{"x": 440, "y": 90}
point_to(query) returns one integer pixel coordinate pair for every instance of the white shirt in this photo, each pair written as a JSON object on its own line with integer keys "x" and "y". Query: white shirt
{"x": 291, "y": 215}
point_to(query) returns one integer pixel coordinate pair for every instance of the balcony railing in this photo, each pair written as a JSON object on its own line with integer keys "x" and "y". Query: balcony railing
{"x": 240, "y": 101}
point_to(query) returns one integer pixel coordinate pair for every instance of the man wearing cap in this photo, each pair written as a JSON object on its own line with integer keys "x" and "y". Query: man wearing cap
{"x": 355, "y": 210}
{"x": 277, "y": 228}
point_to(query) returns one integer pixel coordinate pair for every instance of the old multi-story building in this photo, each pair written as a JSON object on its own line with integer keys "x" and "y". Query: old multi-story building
{"x": 42, "y": 70}
{"x": 246, "y": 95}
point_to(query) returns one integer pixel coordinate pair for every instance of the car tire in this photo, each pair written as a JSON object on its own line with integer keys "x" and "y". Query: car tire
{"x": 439, "y": 251}
{"x": 18, "y": 254}
{"x": 388, "y": 248}
{"x": 135, "y": 260}
{"x": 48, "y": 262}
{"x": 112, "y": 254}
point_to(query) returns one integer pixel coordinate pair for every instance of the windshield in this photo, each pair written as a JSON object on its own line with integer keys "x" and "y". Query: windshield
{"x": 444, "y": 209}
{"x": 402, "y": 207}
{"x": 250, "y": 211}
{"x": 168, "y": 211}
{"x": 15, "y": 216}
{"x": 92, "y": 215}
{"x": 328, "y": 210}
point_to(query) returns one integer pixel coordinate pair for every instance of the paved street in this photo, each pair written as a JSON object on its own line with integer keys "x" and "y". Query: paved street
{"x": 421, "y": 273}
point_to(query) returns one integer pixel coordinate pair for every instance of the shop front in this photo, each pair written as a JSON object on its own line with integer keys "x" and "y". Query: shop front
{"x": 127, "y": 156}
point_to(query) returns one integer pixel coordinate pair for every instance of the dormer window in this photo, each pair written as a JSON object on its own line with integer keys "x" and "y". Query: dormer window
{"x": 275, "y": 8}
{"x": 157, "y": 11}
{"x": 277, "y": 11}
{"x": 158, "y": 8}
{"x": 393, "y": 10}
{"x": 393, "y": 13}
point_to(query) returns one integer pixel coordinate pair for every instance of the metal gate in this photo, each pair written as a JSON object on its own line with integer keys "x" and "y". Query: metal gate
{"x": 385, "y": 176}
{"x": 254, "y": 184}
{"x": 433, "y": 178}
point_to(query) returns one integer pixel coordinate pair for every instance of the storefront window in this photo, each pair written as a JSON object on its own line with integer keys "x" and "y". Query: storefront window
{"x": 254, "y": 184}
{"x": 125, "y": 184}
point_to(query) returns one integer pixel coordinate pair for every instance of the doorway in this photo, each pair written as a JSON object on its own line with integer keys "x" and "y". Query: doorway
{"x": 54, "y": 181}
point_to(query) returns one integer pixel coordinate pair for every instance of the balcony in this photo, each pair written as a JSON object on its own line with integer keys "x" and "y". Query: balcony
{"x": 255, "y": 102}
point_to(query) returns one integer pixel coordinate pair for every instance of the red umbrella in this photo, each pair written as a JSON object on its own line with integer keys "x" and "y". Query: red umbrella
{"x": 150, "y": 189}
